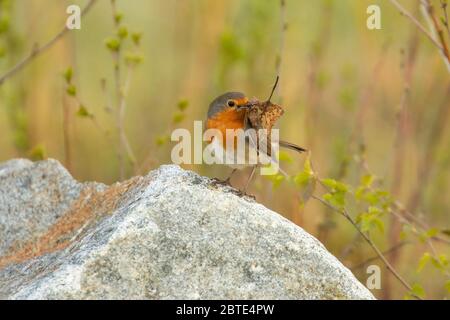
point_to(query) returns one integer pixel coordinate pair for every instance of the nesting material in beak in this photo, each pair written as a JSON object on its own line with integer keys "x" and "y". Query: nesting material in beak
{"x": 248, "y": 104}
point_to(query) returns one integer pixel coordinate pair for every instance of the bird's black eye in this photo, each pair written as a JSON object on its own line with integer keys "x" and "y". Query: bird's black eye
{"x": 231, "y": 103}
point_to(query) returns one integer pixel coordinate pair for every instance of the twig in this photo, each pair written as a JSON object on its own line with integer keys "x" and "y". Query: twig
{"x": 108, "y": 103}
{"x": 429, "y": 241}
{"x": 444, "y": 5}
{"x": 121, "y": 123}
{"x": 67, "y": 134}
{"x": 37, "y": 50}
{"x": 421, "y": 225}
{"x": 273, "y": 88}
{"x": 389, "y": 251}
{"x": 406, "y": 216}
{"x": 402, "y": 136}
{"x": 345, "y": 214}
{"x": 121, "y": 93}
{"x": 314, "y": 92}
{"x": 117, "y": 78}
{"x": 429, "y": 153}
{"x": 283, "y": 28}
{"x": 356, "y": 138}
{"x": 436, "y": 30}
{"x": 404, "y": 12}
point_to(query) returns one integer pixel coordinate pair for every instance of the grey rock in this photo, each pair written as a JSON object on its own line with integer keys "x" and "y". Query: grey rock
{"x": 169, "y": 235}
{"x": 32, "y": 197}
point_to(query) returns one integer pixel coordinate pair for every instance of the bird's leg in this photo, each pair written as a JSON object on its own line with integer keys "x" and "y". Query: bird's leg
{"x": 244, "y": 191}
{"x": 227, "y": 181}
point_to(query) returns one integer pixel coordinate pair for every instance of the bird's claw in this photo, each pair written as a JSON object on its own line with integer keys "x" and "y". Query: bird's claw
{"x": 217, "y": 181}
{"x": 226, "y": 183}
{"x": 244, "y": 194}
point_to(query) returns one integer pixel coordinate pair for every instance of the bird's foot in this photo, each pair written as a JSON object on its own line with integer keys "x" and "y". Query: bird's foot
{"x": 227, "y": 183}
{"x": 244, "y": 194}
{"x": 217, "y": 181}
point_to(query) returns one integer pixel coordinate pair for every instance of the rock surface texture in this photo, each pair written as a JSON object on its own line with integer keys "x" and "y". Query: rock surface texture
{"x": 169, "y": 235}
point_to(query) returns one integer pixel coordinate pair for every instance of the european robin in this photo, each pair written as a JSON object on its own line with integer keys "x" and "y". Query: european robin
{"x": 230, "y": 111}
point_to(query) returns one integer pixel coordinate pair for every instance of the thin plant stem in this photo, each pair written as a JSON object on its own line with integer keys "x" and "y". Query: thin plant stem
{"x": 67, "y": 134}
{"x": 38, "y": 50}
{"x": 444, "y": 6}
{"x": 345, "y": 214}
{"x": 398, "y": 246}
{"x": 283, "y": 28}
{"x": 117, "y": 77}
{"x": 416, "y": 22}
{"x": 429, "y": 13}
{"x": 122, "y": 110}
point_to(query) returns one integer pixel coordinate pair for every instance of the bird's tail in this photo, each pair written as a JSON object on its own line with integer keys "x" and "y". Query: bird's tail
{"x": 288, "y": 145}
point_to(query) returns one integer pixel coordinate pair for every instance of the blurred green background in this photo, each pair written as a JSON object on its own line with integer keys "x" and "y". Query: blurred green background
{"x": 342, "y": 87}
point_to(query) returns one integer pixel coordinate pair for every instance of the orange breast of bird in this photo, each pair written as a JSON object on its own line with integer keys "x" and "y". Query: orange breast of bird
{"x": 229, "y": 119}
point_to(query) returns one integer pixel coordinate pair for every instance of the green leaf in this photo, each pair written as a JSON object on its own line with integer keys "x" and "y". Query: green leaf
{"x": 370, "y": 220}
{"x": 162, "y": 140}
{"x": 432, "y": 232}
{"x": 83, "y": 112}
{"x": 426, "y": 257}
{"x": 306, "y": 181}
{"x": 335, "y": 186}
{"x": 379, "y": 224}
{"x": 335, "y": 199}
{"x": 339, "y": 200}
{"x": 178, "y": 117}
{"x": 360, "y": 192}
{"x": 341, "y": 187}
{"x": 68, "y": 74}
{"x": 118, "y": 17}
{"x": 122, "y": 32}
{"x": 372, "y": 198}
{"x": 276, "y": 179}
{"x": 447, "y": 286}
{"x": 374, "y": 210}
{"x": 437, "y": 264}
{"x": 418, "y": 290}
{"x": 38, "y": 153}
{"x": 113, "y": 44}
{"x": 307, "y": 167}
{"x": 367, "y": 180}
{"x": 376, "y": 197}
{"x": 443, "y": 259}
{"x": 183, "y": 104}
{"x": 424, "y": 236}
{"x": 4, "y": 23}
{"x": 365, "y": 222}
{"x": 302, "y": 179}
{"x": 284, "y": 156}
{"x": 136, "y": 38}
{"x": 71, "y": 90}
{"x": 330, "y": 183}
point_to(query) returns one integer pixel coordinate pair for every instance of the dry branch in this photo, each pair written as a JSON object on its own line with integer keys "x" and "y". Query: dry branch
{"x": 38, "y": 50}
